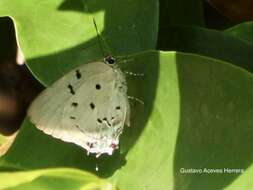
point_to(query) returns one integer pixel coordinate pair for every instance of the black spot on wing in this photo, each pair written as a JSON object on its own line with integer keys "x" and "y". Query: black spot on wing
{"x": 78, "y": 74}
{"x": 72, "y": 117}
{"x": 89, "y": 144}
{"x": 71, "y": 89}
{"x": 118, "y": 108}
{"x": 98, "y": 86}
{"x": 74, "y": 104}
{"x": 108, "y": 123}
{"x": 92, "y": 105}
{"x": 78, "y": 127}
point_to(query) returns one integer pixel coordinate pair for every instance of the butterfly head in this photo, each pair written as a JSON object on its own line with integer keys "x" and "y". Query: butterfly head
{"x": 109, "y": 60}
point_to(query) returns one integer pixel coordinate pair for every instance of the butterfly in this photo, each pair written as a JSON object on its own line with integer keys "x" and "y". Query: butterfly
{"x": 88, "y": 107}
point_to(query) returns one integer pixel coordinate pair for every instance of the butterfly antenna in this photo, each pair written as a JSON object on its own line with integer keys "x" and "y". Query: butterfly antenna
{"x": 99, "y": 37}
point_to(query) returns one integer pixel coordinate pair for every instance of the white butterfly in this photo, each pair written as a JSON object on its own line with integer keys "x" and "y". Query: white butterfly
{"x": 88, "y": 106}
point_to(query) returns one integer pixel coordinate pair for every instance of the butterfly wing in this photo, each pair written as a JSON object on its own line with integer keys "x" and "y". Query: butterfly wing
{"x": 88, "y": 107}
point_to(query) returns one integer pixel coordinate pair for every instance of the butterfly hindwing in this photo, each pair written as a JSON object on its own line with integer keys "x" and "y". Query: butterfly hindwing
{"x": 88, "y": 107}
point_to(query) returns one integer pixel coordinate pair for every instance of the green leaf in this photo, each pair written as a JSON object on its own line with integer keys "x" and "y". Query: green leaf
{"x": 2, "y": 139}
{"x": 62, "y": 31}
{"x": 197, "y": 114}
{"x": 244, "y": 181}
{"x": 210, "y": 43}
{"x": 46, "y": 179}
{"x": 243, "y": 31}
{"x": 185, "y": 12}
{"x": 180, "y": 12}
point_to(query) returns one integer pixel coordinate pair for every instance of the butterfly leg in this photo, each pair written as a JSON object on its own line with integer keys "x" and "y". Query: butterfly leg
{"x": 98, "y": 154}
{"x": 135, "y": 99}
{"x": 134, "y": 74}
{"x": 124, "y": 59}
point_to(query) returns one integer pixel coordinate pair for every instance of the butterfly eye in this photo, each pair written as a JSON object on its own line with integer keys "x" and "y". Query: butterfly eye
{"x": 109, "y": 60}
